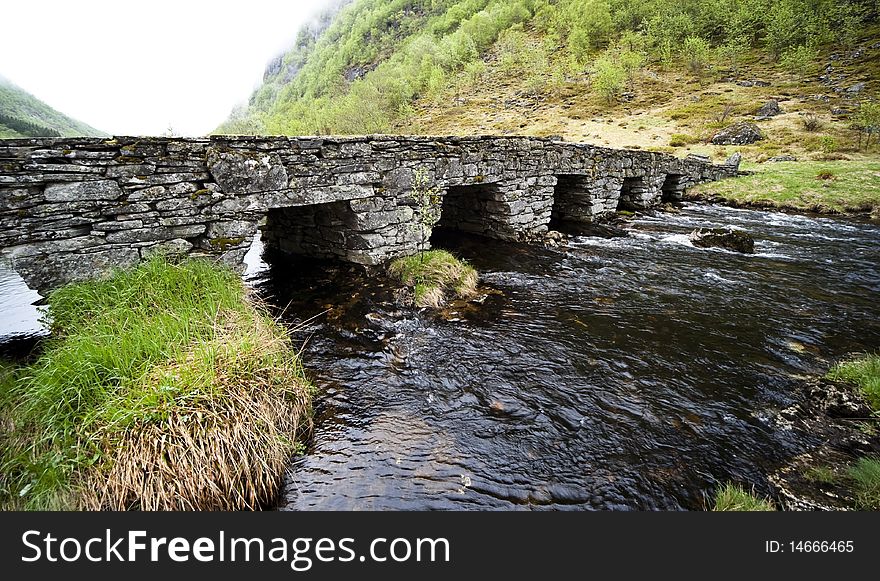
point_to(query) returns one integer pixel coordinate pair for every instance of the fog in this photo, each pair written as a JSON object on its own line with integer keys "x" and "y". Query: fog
{"x": 146, "y": 68}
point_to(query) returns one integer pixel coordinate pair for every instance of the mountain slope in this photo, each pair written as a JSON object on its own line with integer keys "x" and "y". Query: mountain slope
{"x": 23, "y": 115}
{"x": 660, "y": 74}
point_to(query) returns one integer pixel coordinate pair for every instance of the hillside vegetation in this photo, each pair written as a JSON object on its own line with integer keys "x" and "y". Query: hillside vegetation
{"x": 23, "y": 115}
{"x": 658, "y": 74}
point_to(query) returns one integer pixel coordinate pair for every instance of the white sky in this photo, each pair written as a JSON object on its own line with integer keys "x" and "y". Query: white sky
{"x": 134, "y": 68}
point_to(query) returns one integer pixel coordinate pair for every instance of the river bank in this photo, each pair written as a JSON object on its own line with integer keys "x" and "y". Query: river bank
{"x": 832, "y": 187}
{"x": 163, "y": 387}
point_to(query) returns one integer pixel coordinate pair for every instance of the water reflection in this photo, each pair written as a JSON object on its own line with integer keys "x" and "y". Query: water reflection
{"x": 19, "y": 316}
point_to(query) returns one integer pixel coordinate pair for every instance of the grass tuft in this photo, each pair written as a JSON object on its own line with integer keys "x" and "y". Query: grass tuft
{"x": 163, "y": 387}
{"x": 821, "y": 474}
{"x": 435, "y": 275}
{"x": 863, "y": 372}
{"x": 734, "y": 498}
{"x": 866, "y": 476}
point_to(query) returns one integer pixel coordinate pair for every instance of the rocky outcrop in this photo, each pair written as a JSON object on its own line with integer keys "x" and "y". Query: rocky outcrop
{"x": 726, "y": 238}
{"x": 742, "y": 133}
{"x": 74, "y": 208}
{"x": 769, "y": 109}
{"x": 734, "y": 160}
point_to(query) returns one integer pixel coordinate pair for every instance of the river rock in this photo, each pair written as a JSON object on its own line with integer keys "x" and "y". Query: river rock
{"x": 742, "y": 133}
{"x": 769, "y": 109}
{"x": 838, "y": 400}
{"x": 727, "y": 238}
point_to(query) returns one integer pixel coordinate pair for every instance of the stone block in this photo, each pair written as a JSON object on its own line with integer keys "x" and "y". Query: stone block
{"x": 176, "y": 246}
{"x": 244, "y": 172}
{"x": 79, "y": 191}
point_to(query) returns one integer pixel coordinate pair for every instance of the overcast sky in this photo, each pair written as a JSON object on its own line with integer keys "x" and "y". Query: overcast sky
{"x": 136, "y": 68}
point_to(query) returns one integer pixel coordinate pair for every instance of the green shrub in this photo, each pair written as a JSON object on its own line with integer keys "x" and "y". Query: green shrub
{"x": 732, "y": 52}
{"x": 866, "y": 121}
{"x": 800, "y": 59}
{"x": 828, "y": 144}
{"x": 631, "y": 62}
{"x": 696, "y": 53}
{"x": 609, "y": 79}
{"x": 513, "y": 49}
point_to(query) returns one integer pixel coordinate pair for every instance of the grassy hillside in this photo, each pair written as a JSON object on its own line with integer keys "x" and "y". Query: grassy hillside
{"x": 656, "y": 74}
{"x": 23, "y": 115}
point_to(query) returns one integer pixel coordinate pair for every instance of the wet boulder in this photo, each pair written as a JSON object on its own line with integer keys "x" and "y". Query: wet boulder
{"x": 742, "y": 133}
{"x": 726, "y": 238}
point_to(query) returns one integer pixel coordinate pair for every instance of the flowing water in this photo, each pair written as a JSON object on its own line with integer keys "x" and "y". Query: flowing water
{"x": 629, "y": 373}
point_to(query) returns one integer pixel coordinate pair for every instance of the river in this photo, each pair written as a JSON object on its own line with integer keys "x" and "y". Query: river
{"x": 628, "y": 373}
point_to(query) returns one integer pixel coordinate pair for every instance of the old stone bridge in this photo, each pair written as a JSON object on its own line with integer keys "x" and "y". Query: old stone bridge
{"x": 74, "y": 208}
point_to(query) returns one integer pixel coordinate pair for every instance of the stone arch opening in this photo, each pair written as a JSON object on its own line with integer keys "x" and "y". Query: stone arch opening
{"x": 673, "y": 188}
{"x": 470, "y": 208}
{"x": 315, "y": 231}
{"x": 572, "y": 203}
{"x": 632, "y": 193}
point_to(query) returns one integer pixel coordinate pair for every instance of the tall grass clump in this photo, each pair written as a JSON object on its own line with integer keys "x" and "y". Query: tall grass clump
{"x": 863, "y": 372}
{"x": 434, "y": 275}
{"x": 734, "y": 498}
{"x": 163, "y": 387}
{"x": 866, "y": 477}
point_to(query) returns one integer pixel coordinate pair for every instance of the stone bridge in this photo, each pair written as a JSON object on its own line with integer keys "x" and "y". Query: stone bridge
{"x": 73, "y": 208}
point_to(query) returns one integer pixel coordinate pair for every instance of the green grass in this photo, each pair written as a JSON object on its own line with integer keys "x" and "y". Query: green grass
{"x": 866, "y": 477}
{"x": 833, "y": 187}
{"x": 682, "y": 139}
{"x": 434, "y": 276}
{"x": 733, "y": 497}
{"x": 821, "y": 474}
{"x": 863, "y": 372}
{"x": 162, "y": 387}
